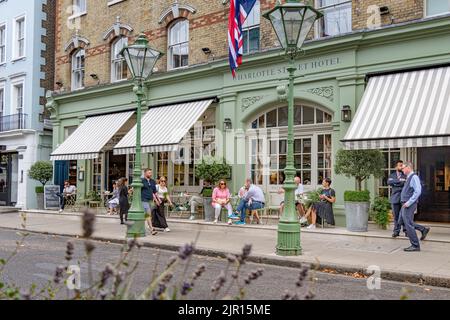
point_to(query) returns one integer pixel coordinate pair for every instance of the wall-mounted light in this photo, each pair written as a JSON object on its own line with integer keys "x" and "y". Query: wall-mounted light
{"x": 227, "y": 124}
{"x": 81, "y": 174}
{"x": 346, "y": 113}
{"x": 95, "y": 77}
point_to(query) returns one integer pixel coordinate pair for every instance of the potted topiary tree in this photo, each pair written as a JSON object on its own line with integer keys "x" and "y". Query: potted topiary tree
{"x": 211, "y": 169}
{"x": 41, "y": 171}
{"x": 360, "y": 164}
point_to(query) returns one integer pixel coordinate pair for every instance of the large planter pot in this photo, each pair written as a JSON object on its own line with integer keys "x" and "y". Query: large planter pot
{"x": 209, "y": 210}
{"x": 40, "y": 201}
{"x": 357, "y": 216}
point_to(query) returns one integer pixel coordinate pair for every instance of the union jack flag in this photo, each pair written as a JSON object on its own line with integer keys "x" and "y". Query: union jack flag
{"x": 239, "y": 10}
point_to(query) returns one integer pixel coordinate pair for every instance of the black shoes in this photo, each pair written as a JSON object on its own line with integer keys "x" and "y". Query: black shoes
{"x": 424, "y": 234}
{"x": 411, "y": 249}
{"x": 395, "y": 235}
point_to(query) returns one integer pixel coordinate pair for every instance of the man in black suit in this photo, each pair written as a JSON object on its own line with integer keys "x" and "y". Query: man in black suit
{"x": 397, "y": 180}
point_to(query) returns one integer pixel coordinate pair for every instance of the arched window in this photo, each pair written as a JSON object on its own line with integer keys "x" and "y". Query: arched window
{"x": 312, "y": 146}
{"x": 118, "y": 66}
{"x": 303, "y": 115}
{"x": 178, "y": 44}
{"x": 78, "y": 67}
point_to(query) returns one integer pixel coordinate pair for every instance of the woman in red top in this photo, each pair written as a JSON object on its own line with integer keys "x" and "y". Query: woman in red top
{"x": 221, "y": 199}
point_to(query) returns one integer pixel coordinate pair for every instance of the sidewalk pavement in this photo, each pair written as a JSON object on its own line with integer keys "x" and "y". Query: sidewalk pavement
{"x": 333, "y": 249}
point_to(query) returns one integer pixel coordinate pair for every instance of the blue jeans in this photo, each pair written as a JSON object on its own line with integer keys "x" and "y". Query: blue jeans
{"x": 243, "y": 206}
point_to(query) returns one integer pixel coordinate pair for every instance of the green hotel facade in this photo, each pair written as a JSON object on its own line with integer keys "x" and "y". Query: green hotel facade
{"x": 245, "y": 119}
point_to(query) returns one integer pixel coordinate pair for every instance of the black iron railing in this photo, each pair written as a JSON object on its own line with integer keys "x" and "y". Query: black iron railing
{"x": 13, "y": 122}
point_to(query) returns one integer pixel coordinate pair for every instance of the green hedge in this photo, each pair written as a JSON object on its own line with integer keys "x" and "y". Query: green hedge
{"x": 39, "y": 189}
{"x": 357, "y": 196}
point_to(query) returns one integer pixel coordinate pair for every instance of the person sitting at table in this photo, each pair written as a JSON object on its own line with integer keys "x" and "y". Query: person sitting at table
{"x": 252, "y": 199}
{"x": 324, "y": 208}
{"x": 242, "y": 203}
{"x": 221, "y": 198}
{"x": 299, "y": 191}
{"x": 195, "y": 201}
{"x": 162, "y": 193}
{"x": 68, "y": 192}
{"x": 113, "y": 203}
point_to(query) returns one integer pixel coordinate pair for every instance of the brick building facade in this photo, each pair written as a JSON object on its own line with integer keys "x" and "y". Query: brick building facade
{"x": 207, "y": 29}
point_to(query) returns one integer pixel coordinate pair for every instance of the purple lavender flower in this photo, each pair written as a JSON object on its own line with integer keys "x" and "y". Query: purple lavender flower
{"x": 185, "y": 251}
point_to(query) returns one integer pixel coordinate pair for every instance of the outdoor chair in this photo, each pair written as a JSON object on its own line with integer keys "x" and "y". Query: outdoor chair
{"x": 70, "y": 201}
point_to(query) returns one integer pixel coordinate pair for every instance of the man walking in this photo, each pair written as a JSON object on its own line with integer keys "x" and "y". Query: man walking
{"x": 148, "y": 196}
{"x": 396, "y": 181}
{"x": 252, "y": 200}
{"x": 409, "y": 198}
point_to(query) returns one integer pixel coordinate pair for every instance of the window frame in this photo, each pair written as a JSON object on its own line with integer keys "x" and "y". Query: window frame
{"x": 73, "y": 70}
{"x": 425, "y": 11}
{"x": 15, "y": 43}
{"x": 171, "y": 45}
{"x": 116, "y": 60}
{"x": 5, "y": 35}
{"x": 318, "y": 32}
{"x": 247, "y": 28}
{"x": 14, "y": 97}
{"x": 2, "y": 98}
{"x": 76, "y": 14}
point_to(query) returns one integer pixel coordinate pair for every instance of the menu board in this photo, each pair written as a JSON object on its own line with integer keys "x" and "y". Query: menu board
{"x": 51, "y": 198}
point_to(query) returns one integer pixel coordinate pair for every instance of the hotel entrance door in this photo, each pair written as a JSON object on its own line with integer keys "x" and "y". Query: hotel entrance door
{"x": 434, "y": 172}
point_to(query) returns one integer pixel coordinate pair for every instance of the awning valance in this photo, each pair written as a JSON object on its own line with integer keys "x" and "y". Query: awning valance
{"x": 163, "y": 128}
{"x": 403, "y": 110}
{"x": 91, "y": 136}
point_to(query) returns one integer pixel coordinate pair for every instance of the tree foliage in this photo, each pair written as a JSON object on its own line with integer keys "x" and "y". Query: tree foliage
{"x": 41, "y": 171}
{"x": 213, "y": 169}
{"x": 360, "y": 164}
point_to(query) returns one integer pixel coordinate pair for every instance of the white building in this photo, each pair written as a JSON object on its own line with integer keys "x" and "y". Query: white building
{"x": 26, "y": 71}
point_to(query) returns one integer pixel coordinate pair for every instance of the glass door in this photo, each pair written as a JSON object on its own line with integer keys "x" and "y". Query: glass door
{"x": 434, "y": 172}
{"x": 9, "y": 179}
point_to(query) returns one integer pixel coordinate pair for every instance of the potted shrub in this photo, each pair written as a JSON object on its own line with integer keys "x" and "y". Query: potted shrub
{"x": 41, "y": 171}
{"x": 381, "y": 208}
{"x": 212, "y": 170}
{"x": 361, "y": 165}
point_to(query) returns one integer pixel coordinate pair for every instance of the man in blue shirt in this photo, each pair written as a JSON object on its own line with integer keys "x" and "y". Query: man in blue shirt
{"x": 148, "y": 192}
{"x": 409, "y": 198}
{"x": 252, "y": 200}
{"x": 396, "y": 181}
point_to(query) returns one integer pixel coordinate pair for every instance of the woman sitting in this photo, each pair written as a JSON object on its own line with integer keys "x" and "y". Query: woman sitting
{"x": 113, "y": 203}
{"x": 158, "y": 217}
{"x": 324, "y": 208}
{"x": 221, "y": 199}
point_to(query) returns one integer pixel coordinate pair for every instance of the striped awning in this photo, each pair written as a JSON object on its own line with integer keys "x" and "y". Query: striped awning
{"x": 403, "y": 110}
{"x": 163, "y": 128}
{"x": 91, "y": 136}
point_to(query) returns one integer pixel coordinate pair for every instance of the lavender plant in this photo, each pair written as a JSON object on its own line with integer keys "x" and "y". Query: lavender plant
{"x": 115, "y": 280}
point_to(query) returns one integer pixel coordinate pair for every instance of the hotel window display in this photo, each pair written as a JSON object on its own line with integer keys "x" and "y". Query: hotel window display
{"x": 97, "y": 169}
{"x": 323, "y": 157}
{"x": 312, "y": 151}
{"x": 391, "y": 156}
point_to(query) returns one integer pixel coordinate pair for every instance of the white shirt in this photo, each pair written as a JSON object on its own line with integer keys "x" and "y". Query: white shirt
{"x": 160, "y": 191}
{"x": 300, "y": 190}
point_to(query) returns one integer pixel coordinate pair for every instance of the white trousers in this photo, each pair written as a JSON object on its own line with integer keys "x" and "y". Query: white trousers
{"x": 218, "y": 208}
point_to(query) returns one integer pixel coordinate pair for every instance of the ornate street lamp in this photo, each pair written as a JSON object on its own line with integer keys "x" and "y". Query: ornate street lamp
{"x": 291, "y": 22}
{"x": 141, "y": 60}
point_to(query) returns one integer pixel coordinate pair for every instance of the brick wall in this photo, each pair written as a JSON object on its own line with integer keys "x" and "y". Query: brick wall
{"x": 207, "y": 25}
{"x": 399, "y": 11}
{"x": 48, "y": 68}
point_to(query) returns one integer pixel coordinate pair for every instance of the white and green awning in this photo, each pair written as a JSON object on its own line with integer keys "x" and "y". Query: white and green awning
{"x": 403, "y": 110}
{"x": 163, "y": 128}
{"x": 87, "y": 141}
